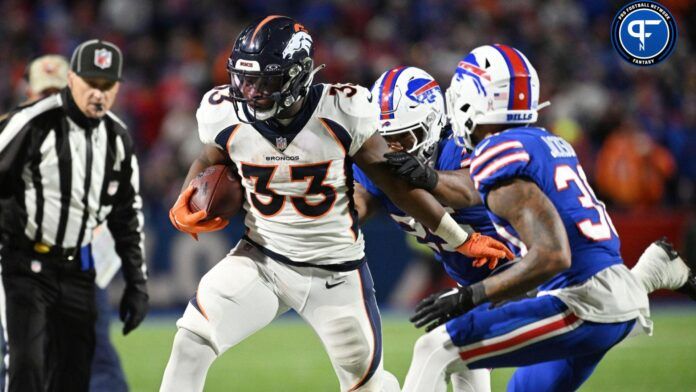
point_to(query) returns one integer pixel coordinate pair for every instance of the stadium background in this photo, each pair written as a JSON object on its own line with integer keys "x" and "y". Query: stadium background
{"x": 634, "y": 129}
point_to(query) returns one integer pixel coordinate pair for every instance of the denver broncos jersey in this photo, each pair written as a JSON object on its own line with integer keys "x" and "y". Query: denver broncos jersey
{"x": 298, "y": 177}
{"x": 533, "y": 153}
{"x": 474, "y": 219}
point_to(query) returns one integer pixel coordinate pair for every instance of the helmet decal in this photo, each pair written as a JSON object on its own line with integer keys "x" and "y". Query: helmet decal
{"x": 469, "y": 67}
{"x": 422, "y": 90}
{"x": 299, "y": 41}
{"x": 250, "y": 65}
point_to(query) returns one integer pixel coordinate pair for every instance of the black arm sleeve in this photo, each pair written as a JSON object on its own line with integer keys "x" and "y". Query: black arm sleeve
{"x": 126, "y": 221}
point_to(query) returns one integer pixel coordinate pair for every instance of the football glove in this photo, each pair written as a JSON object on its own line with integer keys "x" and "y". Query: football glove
{"x": 134, "y": 306}
{"x": 190, "y": 222}
{"x": 484, "y": 250}
{"x": 409, "y": 168}
{"x": 443, "y": 306}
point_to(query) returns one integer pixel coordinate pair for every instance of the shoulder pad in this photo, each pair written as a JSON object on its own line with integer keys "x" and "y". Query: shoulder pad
{"x": 215, "y": 113}
{"x": 350, "y": 106}
{"x": 354, "y": 100}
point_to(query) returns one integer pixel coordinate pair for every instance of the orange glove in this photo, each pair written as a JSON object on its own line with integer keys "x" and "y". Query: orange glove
{"x": 191, "y": 222}
{"x": 485, "y": 250}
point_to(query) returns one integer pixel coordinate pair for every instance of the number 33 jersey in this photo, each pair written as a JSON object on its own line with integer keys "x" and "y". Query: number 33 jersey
{"x": 298, "y": 176}
{"x": 534, "y": 154}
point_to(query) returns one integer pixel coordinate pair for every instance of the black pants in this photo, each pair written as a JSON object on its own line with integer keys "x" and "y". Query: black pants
{"x": 49, "y": 320}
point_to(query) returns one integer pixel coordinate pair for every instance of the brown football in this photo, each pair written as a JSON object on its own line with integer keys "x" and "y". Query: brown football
{"x": 218, "y": 191}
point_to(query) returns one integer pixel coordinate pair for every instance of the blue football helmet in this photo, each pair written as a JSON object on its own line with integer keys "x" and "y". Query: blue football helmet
{"x": 270, "y": 67}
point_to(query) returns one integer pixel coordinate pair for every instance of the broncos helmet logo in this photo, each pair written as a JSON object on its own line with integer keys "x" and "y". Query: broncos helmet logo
{"x": 422, "y": 90}
{"x": 299, "y": 41}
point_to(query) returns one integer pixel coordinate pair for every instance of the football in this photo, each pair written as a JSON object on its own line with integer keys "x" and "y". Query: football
{"x": 218, "y": 190}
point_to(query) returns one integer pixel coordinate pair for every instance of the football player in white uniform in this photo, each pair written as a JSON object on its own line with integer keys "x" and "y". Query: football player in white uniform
{"x": 294, "y": 143}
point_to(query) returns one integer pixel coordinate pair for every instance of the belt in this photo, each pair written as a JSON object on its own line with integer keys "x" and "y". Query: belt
{"x": 42, "y": 249}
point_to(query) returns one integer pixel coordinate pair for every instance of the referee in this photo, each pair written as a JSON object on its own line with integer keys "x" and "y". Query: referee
{"x": 66, "y": 165}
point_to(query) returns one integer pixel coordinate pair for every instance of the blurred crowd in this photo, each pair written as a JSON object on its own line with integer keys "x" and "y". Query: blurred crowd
{"x": 635, "y": 128}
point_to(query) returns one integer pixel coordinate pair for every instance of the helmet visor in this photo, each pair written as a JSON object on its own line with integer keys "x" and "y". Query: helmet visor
{"x": 259, "y": 91}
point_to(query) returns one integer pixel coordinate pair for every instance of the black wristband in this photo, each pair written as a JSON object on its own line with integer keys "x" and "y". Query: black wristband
{"x": 478, "y": 293}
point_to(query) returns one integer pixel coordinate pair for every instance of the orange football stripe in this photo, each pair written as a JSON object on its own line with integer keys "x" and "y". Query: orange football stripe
{"x": 263, "y": 22}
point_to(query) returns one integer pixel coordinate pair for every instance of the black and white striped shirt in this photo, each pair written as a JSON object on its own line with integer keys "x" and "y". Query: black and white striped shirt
{"x": 64, "y": 174}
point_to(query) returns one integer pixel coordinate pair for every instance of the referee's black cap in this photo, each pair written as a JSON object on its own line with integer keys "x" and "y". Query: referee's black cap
{"x": 97, "y": 59}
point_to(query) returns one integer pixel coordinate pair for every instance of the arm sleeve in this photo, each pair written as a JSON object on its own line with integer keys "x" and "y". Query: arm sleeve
{"x": 126, "y": 222}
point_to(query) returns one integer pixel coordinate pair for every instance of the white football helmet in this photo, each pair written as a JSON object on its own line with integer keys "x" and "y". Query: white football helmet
{"x": 493, "y": 84}
{"x": 411, "y": 100}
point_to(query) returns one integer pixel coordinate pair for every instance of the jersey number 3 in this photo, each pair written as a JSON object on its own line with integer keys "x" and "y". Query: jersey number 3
{"x": 599, "y": 231}
{"x": 261, "y": 176}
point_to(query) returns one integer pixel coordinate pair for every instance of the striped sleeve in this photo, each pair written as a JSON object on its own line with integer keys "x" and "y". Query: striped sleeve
{"x": 126, "y": 220}
{"x": 498, "y": 160}
{"x": 10, "y": 148}
{"x": 465, "y": 161}
{"x": 15, "y": 129}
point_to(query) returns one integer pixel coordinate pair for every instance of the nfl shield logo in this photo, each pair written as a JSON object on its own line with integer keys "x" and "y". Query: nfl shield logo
{"x": 102, "y": 58}
{"x": 281, "y": 143}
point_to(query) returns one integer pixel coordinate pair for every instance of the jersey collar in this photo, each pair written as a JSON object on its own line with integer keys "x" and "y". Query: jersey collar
{"x": 272, "y": 129}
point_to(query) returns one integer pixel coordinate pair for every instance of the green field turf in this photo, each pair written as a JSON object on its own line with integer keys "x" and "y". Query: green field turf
{"x": 287, "y": 356}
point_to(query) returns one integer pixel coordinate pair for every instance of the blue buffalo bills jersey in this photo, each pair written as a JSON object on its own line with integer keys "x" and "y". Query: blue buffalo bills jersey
{"x": 549, "y": 161}
{"x": 458, "y": 266}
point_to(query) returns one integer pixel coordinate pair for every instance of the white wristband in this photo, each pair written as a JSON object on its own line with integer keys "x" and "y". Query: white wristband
{"x": 450, "y": 231}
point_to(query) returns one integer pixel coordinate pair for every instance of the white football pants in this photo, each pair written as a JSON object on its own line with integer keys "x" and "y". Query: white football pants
{"x": 435, "y": 359}
{"x": 247, "y": 290}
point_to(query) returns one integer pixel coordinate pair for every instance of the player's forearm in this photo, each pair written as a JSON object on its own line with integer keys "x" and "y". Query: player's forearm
{"x": 422, "y": 206}
{"x": 455, "y": 189}
{"x": 526, "y": 275}
{"x": 417, "y": 203}
{"x": 540, "y": 228}
{"x": 208, "y": 157}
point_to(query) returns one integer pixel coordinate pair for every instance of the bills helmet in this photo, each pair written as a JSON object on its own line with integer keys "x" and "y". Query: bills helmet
{"x": 493, "y": 84}
{"x": 411, "y": 101}
{"x": 270, "y": 67}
